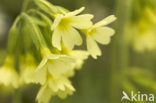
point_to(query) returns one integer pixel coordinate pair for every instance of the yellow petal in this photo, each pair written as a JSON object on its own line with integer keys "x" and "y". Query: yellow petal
{"x": 79, "y": 56}
{"x": 53, "y": 56}
{"x": 82, "y": 21}
{"x": 64, "y": 87}
{"x": 57, "y": 84}
{"x": 105, "y": 21}
{"x": 60, "y": 66}
{"x": 92, "y": 47}
{"x": 27, "y": 74}
{"x": 143, "y": 42}
{"x": 9, "y": 77}
{"x": 56, "y": 39}
{"x": 30, "y": 75}
{"x": 70, "y": 73}
{"x": 56, "y": 22}
{"x": 103, "y": 35}
{"x": 75, "y": 12}
{"x": 44, "y": 94}
{"x": 40, "y": 76}
{"x": 68, "y": 91}
{"x": 71, "y": 37}
{"x": 43, "y": 62}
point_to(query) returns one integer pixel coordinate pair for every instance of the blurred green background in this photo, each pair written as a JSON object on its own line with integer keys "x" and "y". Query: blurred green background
{"x": 121, "y": 68}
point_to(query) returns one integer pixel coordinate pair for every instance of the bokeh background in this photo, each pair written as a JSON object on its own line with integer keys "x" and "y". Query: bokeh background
{"x": 128, "y": 63}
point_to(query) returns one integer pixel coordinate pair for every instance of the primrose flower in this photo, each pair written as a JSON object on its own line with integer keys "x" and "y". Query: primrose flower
{"x": 56, "y": 65}
{"x": 28, "y": 67}
{"x": 79, "y": 55}
{"x": 64, "y": 28}
{"x": 8, "y": 74}
{"x": 60, "y": 86}
{"x": 143, "y": 39}
{"x": 142, "y": 34}
{"x": 98, "y": 33}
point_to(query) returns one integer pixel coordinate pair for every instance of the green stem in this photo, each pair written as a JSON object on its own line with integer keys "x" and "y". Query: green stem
{"x": 119, "y": 60}
{"x": 25, "y": 5}
{"x": 17, "y": 96}
{"x": 13, "y": 36}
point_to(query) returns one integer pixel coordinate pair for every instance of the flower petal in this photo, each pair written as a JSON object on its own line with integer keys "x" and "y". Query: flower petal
{"x": 27, "y": 74}
{"x": 60, "y": 66}
{"x": 79, "y": 56}
{"x": 56, "y": 39}
{"x": 56, "y": 21}
{"x": 68, "y": 88}
{"x": 73, "y": 13}
{"x": 57, "y": 84}
{"x": 44, "y": 94}
{"x": 40, "y": 76}
{"x": 92, "y": 47}
{"x": 103, "y": 35}
{"x": 82, "y": 21}
{"x": 68, "y": 91}
{"x": 71, "y": 37}
{"x": 41, "y": 65}
{"x": 9, "y": 77}
{"x": 105, "y": 21}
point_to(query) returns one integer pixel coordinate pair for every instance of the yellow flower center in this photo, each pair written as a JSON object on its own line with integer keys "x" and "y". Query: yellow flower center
{"x": 64, "y": 23}
{"x": 45, "y": 52}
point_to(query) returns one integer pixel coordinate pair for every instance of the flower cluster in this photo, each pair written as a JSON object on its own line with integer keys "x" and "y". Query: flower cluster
{"x": 41, "y": 48}
{"x": 143, "y": 26}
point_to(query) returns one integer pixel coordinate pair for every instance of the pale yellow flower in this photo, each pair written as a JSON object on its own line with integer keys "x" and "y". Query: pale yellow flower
{"x": 143, "y": 40}
{"x": 60, "y": 86}
{"x": 64, "y": 28}
{"x": 28, "y": 68}
{"x": 143, "y": 32}
{"x": 8, "y": 74}
{"x": 79, "y": 55}
{"x": 56, "y": 65}
{"x": 98, "y": 33}
{"x": 44, "y": 95}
